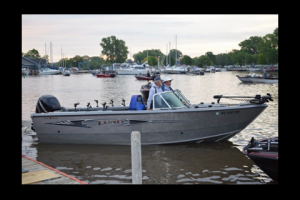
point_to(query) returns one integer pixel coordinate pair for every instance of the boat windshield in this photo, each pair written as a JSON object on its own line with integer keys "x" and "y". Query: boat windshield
{"x": 166, "y": 100}
{"x": 182, "y": 98}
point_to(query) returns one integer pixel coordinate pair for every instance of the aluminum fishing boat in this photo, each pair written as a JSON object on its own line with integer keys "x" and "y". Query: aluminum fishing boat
{"x": 172, "y": 120}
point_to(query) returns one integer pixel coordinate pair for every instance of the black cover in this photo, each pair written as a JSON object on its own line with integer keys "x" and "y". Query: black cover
{"x": 47, "y": 103}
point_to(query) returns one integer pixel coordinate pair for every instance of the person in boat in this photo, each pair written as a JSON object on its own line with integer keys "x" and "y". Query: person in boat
{"x": 155, "y": 75}
{"x": 148, "y": 73}
{"x": 166, "y": 86}
{"x": 155, "y": 88}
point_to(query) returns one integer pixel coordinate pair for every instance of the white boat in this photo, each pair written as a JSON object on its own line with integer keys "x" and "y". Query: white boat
{"x": 172, "y": 120}
{"x": 255, "y": 78}
{"x": 133, "y": 69}
{"x": 210, "y": 69}
{"x": 25, "y": 71}
{"x": 218, "y": 69}
{"x": 264, "y": 80}
{"x": 175, "y": 69}
{"x": 66, "y": 73}
{"x": 195, "y": 71}
{"x": 47, "y": 71}
{"x": 244, "y": 79}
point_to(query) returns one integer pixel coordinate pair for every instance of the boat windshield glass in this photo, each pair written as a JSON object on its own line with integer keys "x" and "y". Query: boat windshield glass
{"x": 182, "y": 98}
{"x": 166, "y": 100}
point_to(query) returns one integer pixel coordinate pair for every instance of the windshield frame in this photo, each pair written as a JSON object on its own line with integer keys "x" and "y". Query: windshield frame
{"x": 167, "y": 100}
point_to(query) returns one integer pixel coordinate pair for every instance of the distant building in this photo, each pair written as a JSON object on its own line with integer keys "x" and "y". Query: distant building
{"x": 33, "y": 64}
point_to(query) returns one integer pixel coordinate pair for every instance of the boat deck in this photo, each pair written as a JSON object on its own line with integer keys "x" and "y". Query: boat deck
{"x": 39, "y": 173}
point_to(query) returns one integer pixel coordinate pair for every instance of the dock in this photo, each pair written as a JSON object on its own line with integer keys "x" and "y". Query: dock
{"x": 35, "y": 172}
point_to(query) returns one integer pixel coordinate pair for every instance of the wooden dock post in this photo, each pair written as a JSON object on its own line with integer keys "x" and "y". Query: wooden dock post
{"x": 136, "y": 157}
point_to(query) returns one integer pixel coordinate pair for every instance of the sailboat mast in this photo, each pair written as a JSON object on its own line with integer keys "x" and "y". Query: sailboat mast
{"x": 46, "y": 53}
{"x": 170, "y": 52}
{"x": 167, "y": 54}
{"x": 60, "y": 57}
{"x": 51, "y": 58}
{"x": 176, "y": 50}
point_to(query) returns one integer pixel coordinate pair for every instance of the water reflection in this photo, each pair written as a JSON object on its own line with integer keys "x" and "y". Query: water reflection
{"x": 217, "y": 163}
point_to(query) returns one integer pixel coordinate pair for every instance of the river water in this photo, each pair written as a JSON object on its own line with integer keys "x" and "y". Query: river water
{"x": 213, "y": 163}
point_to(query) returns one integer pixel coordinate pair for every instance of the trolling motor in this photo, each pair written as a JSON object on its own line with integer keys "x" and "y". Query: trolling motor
{"x": 96, "y": 102}
{"x": 75, "y": 105}
{"x": 257, "y": 99}
{"x": 267, "y": 98}
{"x": 123, "y": 102}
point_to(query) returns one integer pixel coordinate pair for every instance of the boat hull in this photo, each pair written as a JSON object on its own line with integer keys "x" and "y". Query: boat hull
{"x": 173, "y": 126}
{"x": 268, "y": 164}
{"x": 244, "y": 79}
{"x": 105, "y": 75}
{"x": 54, "y": 72}
{"x": 263, "y": 80}
{"x": 264, "y": 154}
{"x": 139, "y": 77}
{"x": 131, "y": 72}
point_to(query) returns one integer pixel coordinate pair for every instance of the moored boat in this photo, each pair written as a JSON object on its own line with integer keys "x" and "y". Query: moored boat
{"x": 264, "y": 153}
{"x": 66, "y": 72}
{"x": 133, "y": 69}
{"x": 244, "y": 79}
{"x": 106, "y": 74}
{"x": 173, "y": 120}
{"x": 48, "y": 71}
{"x": 143, "y": 77}
{"x": 195, "y": 72}
{"x": 264, "y": 79}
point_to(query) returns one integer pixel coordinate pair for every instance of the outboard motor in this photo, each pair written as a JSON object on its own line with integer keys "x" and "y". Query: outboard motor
{"x": 47, "y": 103}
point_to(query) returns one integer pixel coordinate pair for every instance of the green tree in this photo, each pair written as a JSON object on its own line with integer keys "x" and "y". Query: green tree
{"x": 204, "y": 61}
{"x": 46, "y": 57}
{"x": 269, "y": 47}
{"x": 141, "y": 57}
{"x": 211, "y": 56}
{"x": 114, "y": 49}
{"x": 173, "y": 54}
{"x": 261, "y": 59}
{"x": 187, "y": 60}
{"x": 73, "y": 62}
{"x": 95, "y": 62}
{"x": 152, "y": 60}
{"x": 251, "y": 45}
{"x": 221, "y": 59}
{"x": 32, "y": 53}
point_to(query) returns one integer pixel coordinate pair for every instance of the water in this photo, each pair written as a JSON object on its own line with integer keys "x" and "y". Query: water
{"x": 214, "y": 163}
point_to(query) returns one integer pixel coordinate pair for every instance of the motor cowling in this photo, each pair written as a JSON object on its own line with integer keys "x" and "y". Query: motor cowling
{"x": 47, "y": 103}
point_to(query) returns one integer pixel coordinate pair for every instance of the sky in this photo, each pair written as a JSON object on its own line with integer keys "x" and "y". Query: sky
{"x": 193, "y": 34}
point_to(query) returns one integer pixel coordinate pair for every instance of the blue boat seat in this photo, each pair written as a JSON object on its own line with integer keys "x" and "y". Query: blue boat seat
{"x": 137, "y": 103}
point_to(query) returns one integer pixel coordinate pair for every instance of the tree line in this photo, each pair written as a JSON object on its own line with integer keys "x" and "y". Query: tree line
{"x": 253, "y": 51}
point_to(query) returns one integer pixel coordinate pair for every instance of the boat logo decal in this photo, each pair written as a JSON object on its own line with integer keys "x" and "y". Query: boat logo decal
{"x": 88, "y": 123}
